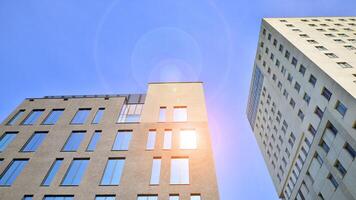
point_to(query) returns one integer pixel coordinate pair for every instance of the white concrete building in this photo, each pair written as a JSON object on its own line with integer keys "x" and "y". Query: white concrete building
{"x": 302, "y": 105}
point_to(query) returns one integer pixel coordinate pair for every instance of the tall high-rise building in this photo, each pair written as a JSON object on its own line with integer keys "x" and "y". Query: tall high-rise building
{"x": 302, "y": 106}
{"x": 110, "y": 147}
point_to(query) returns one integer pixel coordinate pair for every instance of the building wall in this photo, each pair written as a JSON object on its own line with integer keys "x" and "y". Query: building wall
{"x": 286, "y": 139}
{"x": 138, "y": 161}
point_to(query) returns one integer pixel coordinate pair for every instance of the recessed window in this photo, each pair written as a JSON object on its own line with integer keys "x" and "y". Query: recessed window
{"x": 290, "y": 78}
{"x": 312, "y": 41}
{"x": 292, "y": 103}
{"x": 333, "y": 181}
{"x": 151, "y": 140}
{"x": 280, "y": 48}
{"x": 58, "y": 197}
{"x": 306, "y": 98}
{"x": 312, "y": 80}
{"x": 162, "y": 114}
{"x": 344, "y": 64}
{"x": 311, "y": 129}
{"x": 156, "y": 171}
{"x": 16, "y": 117}
{"x": 340, "y": 168}
{"x": 304, "y": 35}
{"x": 301, "y": 115}
{"x": 297, "y": 86}
{"x": 6, "y": 139}
{"x": 294, "y": 62}
{"x": 350, "y": 150}
{"x": 99, "y": 114}
{"x": 75, "y": 172}
{"x": 34, "y": 142}
{"x": 12, "y": 171}
{"x": 105, "y": 197}
{"x": 287, "y": 54}
{"x": 188, "y": 139}
{"x": 52, "y": 172}
{"x": 350, "y": 47}
{"x": 341, "y": 108}
{"x": 331, "y": 55}
{"x": 339, "y": 41}
{"x": 147, "y": 197}
{"x": 167, "y": 140}
{"x": 174, "y": 197}
{"x": 27, "y": 197}
{"x": 326, "y": 93}
{"x": 195, "y": 197}
{"x": 32, "y": 117}
{"x": 321, "y": 48}
{"x": 329, "y": 35}
{"x": 122, "y": 140}
{"x": 53, "y": 117}
{"x": 94, "y": 141}
{"x": 113, "y": 171}
{"x": 179, "y": 171}
{"x": 318, "y": 112}
{"x": 74, "y": 141}
{"x": 324, "y": 146}
{"x": 269, "y": 36}
{"x": 180, "y": 114}
{"x": 319, "y": 159}
{"x": 81, "y": 116}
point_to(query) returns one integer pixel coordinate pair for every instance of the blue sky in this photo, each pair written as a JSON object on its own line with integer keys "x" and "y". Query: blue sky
{"x": 111, "y": 46}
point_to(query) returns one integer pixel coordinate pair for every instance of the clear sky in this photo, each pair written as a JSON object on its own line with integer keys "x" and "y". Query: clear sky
{"x": 110, "y": 46}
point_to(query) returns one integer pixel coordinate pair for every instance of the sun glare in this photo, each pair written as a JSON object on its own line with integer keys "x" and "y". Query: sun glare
{"x": 188, "y": 139}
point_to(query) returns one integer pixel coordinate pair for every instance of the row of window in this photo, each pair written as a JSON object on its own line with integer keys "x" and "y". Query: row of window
{"x": 179, "y": 171}
{"x": 129, "y": 113}
{"x": 187, "y": 140}
{"x": 112, "y": 197}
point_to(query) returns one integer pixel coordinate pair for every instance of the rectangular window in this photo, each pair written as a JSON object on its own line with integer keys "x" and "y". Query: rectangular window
{"x": 147, "y": 197}
{"x": 294, "y": 62}
{"x": 350, "y": 150}
{"x": 27, "y": 197}
{"x": 32, "y": 117}
{"x": 195, "y": 197}
{"x": 301, "y": 115}
{"x": 74, "y": 141}
{"x": 59, "y": 197}
{"x": 151, "y": 140}
{"x": 53, "y": 117}
{"x": 122, "y": 140}
{"x": 52, "y": 172}
{"x": 75, "y": 172}
{"x": 99, "y": 114}
{"x": 324, "y": 146}
{"x": 341, "y": 108}
{"x": 81, "y": 116}
{"x": 340, "y": 168}
{"x": 344, "y": 64}
{"x": 162, "y": 114}
{"x": 306, "y": 98}
{"x": 180, "y": 114}
{"x": 188, "y": 139}
{"x": 156, "y": 171}
{"x": 12, "y": 171}
{"x": 113, "y": 171}
{"x": 173, "y": 197}
{"x": 130, "y": 113}
{"x": 34, "y": 142}
{"x": 326, "y": 93}
{"x": 105, "y": 197}
{"x": 94, "y": 141}
{"x": 297, "y": 86}
{"x": 6, "y": 139}
{"x": 179, "y": 171}
{"x": 333, "y": 181}
{"x": 167, "y": 140}
{"x": 302, "y": 69}
{"x": 312, "y": 80}
{"x": 318, "y": 112}
{"x": 16, "y": 117}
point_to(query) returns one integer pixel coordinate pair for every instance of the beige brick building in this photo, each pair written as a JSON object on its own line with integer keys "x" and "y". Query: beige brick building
{"x": 125, "y": 147}
{"x": 302, "y": 105}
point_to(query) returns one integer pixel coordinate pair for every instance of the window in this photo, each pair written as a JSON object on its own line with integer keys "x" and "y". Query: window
{"x": 6, "y": 139}
{"x": 301, "y": 115}
{"x": 304, "y": 35}
{"x": 297, "y": 86}
{"x": 174, "y": 197}
{"x": 180, "y": 114}
{"x": 32, "y": 117}
{"x": 306, "y": 98}
{"x": 105, "y": 197}
{"x": 74, "y": 140}
{"x": 302, "y": 69}
{"x": 321, "y": 48}
{"x": 151, "y": 140}
{"x": 340, "y": 168}
{"x": 81, "y": 116}
{"x": 333, "y": 181}
{"x": 122, "y": 140}
{"x": 147, "y": 197}
{"x": 59, "y": 197}
{"x": 312, "y": 80}
{"x": 269, "y": 36}
{"x": 318, "y": 112}
{"x": 12, "y": 171}
{"x": 188, "y": 139}
{"x": 52, "y": 172}
{"x": 324, "y": 146}
{"x": 344, "y": 64}
{"x": 326, "y": 93}
{"x": 156, "y": 171}
{"x": 75, "y": 172}
{"x": 195, "y": 197}
{"x": 312, "y": 130}
{"x": 290, "y": 78}
{"x": 287, "y": 54}
{"x": 350, "y": 150}
{"x": 294, "y": 62}
{"x": 312, "y": 41}
{"x": 34, "y": 142}
{"x": 162, "y": 114}
{"x": 130, "y": 113}
{"x": 167, "y": 140}
{"x": 339, "y": 41}
{"x": 27, "y": 197}
{"x": 292, "y": 103}
{"x": 53, "y": 117}
{"x": 16, "y": 117}
{"x": 179, "y": 171}
{"x": 113, "y": 171}
{"x": 280, "y": 48}
{"x": 94, "y": 141}
{"x": 341, "y": 108}
{"x": 331, "y": 55}
{"x": 99, "y": 114}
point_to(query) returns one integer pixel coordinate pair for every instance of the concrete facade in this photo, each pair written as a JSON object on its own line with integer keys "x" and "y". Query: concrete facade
{"x": 302, "y": 106}
{"x": 135, "y": 179}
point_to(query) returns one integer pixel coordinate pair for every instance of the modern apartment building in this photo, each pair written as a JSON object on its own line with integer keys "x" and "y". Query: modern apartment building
{"x": 302, "y": 106}
{"x": 110, "y": 147}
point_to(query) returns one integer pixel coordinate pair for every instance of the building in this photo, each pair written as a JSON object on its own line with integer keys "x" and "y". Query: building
{"x": 302, "y": 106}
{"x": 105, "y": 147}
